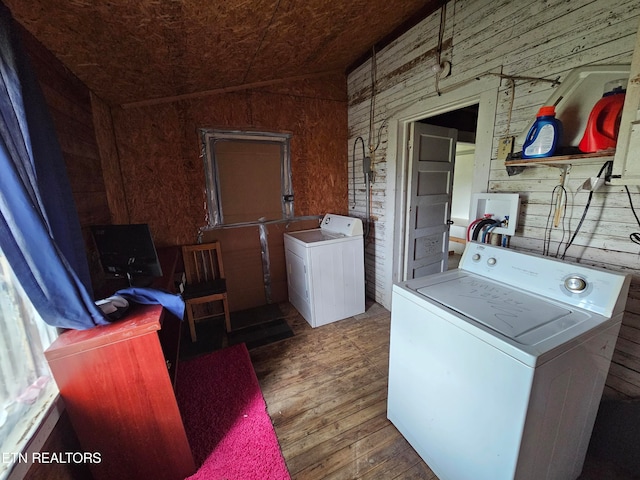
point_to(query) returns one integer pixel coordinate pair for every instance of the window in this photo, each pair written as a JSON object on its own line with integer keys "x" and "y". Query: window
{"x": 27, "y": 389}
{"x": 248, "y": 176}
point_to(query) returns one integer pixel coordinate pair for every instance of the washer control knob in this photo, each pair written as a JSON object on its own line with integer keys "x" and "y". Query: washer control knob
{"x": 575, "y": 284}
{"x": 491, "y": 261}
{"x": 476, "y": 257}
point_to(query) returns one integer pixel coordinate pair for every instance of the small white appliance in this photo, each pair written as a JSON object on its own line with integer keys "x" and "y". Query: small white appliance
{"x": 325, "y": 270}
{"x": 497, "y": 368}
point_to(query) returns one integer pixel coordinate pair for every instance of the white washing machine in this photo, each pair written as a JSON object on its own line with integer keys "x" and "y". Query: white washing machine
{"x": 325, "y": 270}
{"x": 496, "y": 369}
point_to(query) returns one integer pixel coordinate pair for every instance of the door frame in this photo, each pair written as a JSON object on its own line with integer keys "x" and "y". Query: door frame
{"x": 483, "y": 92}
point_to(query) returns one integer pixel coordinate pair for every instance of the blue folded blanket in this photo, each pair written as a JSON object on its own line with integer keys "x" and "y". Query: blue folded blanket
{"x": 151, "y": 296}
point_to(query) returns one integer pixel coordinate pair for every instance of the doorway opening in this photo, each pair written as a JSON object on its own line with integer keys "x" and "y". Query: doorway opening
{"x": 481, "y": 94}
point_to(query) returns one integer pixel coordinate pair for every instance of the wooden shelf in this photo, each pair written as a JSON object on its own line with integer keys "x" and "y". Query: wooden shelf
{"x": 560, "y": 160}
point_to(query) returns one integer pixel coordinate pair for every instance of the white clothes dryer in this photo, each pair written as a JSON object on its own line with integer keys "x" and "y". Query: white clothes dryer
{"x": 496, "y": 369}
{"x": 325, "y": 270}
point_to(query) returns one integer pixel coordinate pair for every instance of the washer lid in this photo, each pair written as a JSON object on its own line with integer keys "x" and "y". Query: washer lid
{"x": 314, "y": 236}
{"x": 525, "y": 318}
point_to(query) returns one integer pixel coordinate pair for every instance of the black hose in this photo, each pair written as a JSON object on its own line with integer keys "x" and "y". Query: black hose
{"x": 480, "y": 225}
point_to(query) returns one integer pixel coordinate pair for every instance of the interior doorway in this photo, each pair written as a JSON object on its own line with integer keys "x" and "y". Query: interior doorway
{"x": 439, "y": 190}
{"x": 482, "y": 92}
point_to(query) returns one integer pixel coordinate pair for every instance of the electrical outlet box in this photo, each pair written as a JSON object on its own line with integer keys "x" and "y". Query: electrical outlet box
{"x": 366, "y": 165}
{"x": 501, "y": 206}
{"x": 505, "y": 147}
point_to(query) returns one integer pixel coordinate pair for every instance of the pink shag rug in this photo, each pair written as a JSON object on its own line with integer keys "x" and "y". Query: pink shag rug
{"x": 226, "y": 419}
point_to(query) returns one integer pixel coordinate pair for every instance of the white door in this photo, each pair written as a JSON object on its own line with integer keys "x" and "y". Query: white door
{"x": 432, "y": 153}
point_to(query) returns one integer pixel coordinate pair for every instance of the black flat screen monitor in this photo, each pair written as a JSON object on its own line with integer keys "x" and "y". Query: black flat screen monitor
{"x": 127, "y": 251}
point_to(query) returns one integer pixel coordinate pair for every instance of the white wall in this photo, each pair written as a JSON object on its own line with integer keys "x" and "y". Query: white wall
{"x": 484, "y": 38}
{"x": 462, "y": 181}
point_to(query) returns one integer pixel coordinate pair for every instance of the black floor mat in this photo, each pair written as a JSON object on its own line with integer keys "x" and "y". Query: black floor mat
{"x": 255, "y": 327}
{"x": 255, "y": 316}
{"x": 210, "y": 337}
{"x": 261, "y": 334}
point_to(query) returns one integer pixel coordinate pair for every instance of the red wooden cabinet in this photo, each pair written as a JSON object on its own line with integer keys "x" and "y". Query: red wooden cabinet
{"x": 119, "y": 396}
{"x": 117, "y": 384}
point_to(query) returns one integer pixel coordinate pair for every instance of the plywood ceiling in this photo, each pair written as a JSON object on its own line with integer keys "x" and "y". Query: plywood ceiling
{"x": 136, "y": 50}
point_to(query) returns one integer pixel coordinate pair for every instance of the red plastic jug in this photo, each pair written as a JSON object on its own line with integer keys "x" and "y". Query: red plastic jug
{"x": 604, "y": 122}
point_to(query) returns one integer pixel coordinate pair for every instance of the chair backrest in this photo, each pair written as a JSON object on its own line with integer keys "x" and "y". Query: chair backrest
{"x": 202, "y": 262}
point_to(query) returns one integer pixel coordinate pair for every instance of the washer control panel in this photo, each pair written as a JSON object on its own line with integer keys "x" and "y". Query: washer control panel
{"x": 341, "y": 225}
{"x": 584, "y": 287}
{"x": 491, "y": 261}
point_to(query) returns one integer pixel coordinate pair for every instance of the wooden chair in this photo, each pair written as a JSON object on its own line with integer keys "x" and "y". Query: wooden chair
{"x": 205, "y": 284}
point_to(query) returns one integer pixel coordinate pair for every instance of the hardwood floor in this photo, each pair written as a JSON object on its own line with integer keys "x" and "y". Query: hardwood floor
{"x": 326, "y": 391}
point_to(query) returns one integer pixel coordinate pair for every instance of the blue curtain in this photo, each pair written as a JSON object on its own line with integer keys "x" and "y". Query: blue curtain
{"x": 39, "y": 228}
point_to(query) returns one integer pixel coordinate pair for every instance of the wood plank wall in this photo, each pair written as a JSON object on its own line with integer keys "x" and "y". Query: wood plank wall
{"x": 534, "y": 39}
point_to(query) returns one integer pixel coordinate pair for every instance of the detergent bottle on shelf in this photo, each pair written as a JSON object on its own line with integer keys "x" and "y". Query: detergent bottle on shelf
{"x": 603, "y": 125}
{"x": 544, "y": 135}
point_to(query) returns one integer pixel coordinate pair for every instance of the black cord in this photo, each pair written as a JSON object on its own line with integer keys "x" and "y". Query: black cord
{"x": 584, "y": 213}
{"x": 382, "y": 125}
{"x": 547, "y": 228}
{"x": 353, "y": 165}
{"x": 564, "y": 230}
{"x": 635, "y": 236}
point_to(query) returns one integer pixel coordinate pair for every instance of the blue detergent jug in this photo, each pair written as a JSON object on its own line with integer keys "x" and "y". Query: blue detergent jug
{"x": 544, "y": 135}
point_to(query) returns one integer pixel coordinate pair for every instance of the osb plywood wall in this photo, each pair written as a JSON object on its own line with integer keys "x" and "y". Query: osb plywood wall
{"x": 109, "y": 160}
{"x": 163, "y": 174}
{"x": 190, "y": 46}
{"x": 143, "y": 165}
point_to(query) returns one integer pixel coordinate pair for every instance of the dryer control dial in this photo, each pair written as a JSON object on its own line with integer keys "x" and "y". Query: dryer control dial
{"x": 575, "y": 284}
{"x": 475, "y": 257}
{"x": 491, "y": 261}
